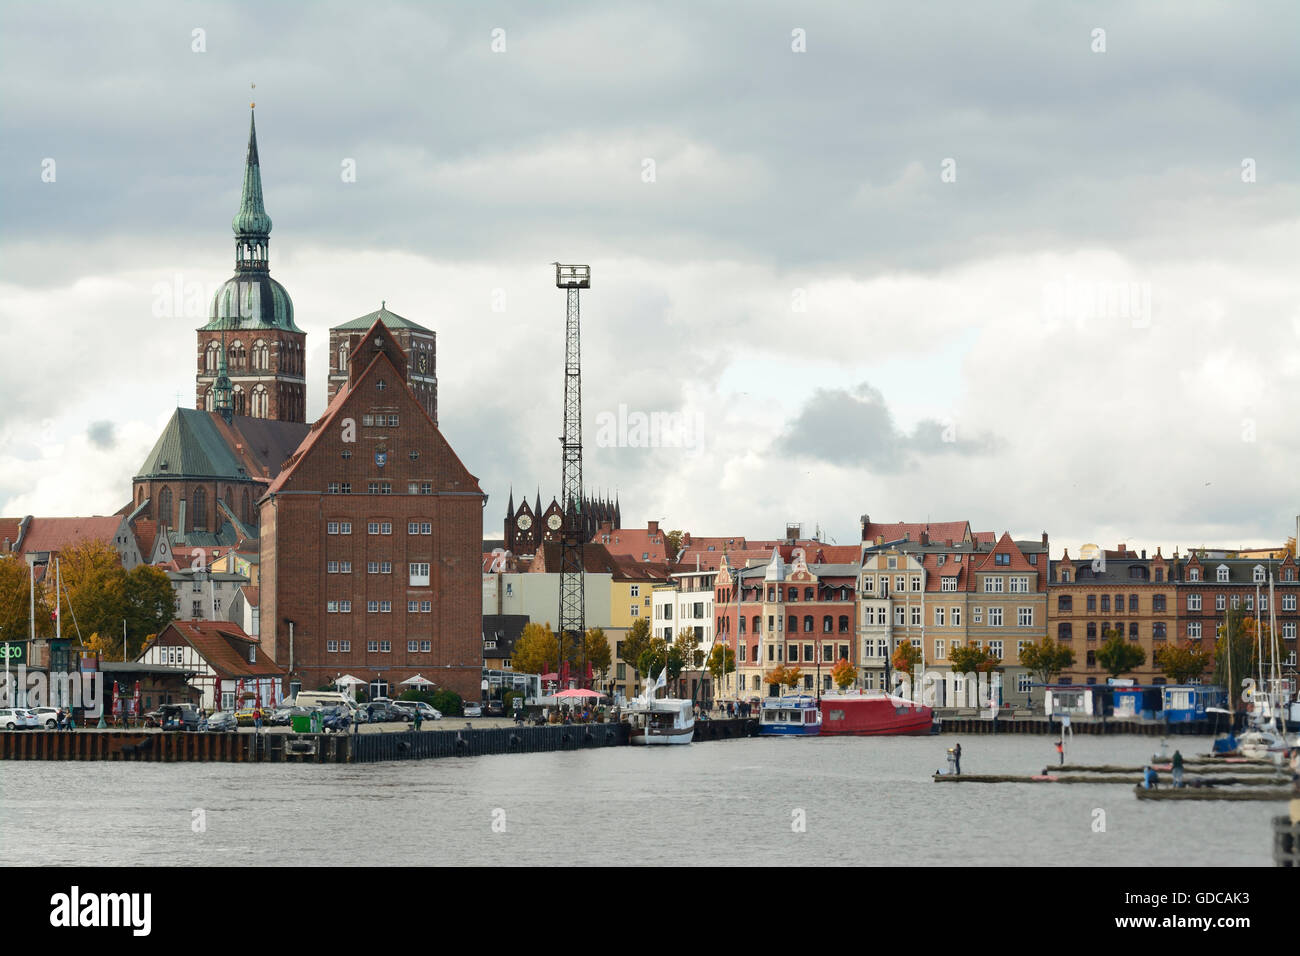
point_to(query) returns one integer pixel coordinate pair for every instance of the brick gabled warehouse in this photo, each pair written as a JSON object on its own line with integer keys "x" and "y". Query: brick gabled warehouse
{"x": 371, "y": 539}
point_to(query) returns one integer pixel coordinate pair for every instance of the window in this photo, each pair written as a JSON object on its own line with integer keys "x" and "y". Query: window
{"x": 1065, "y": 577}
{"x": 868, "y": 584}
{"x": 372, "y": 567}
{"x": 995, "y": 617}
{"x": 1193, "y": 602}
{"x": 426, "y": 607}
{"x": 413, "y": 527}
{"x": 1259, "y": 574}
{"x": 372, "y": 646}
{"x": 346, "y": 453}
{"x": 956, "y": 617}
{"x": 412, "y": 646}
{"x": 419, "y": 575}
{"x": 385, "y": 647}
{"x": 1133, "y": 603}
{"x": 345, "y": 647}
{"x": 916, "y": 582}
{"x": 1105, "y": 603}
{"x": 915, "y": 618}
{"x": 636, "y": 590}
{"x": 1020, "y": 585}
{"x": 1288, "y": 602}
{"x": 345, "y": 567}
{"x": 940, "y": 650}
{"x": 332, "y": 488}
{"x": 1132, "y": 630}
{"x": 1002, "y": 558}
{"x": 1063, "y": 631}
{"x": 331, "y": 527}
{"x": 995, "y": 649}
{"x": 1220, "y": 602}
{"x": 372, "y": 527}
{"x": 331, "y": 607}
{"x": 413, "y": 454}
{"x": 900, "y": 617}
{"x": 331, "y": 567}
{"x": 1092, "y": 630}
{"x": 412, "y": 607}
{"x": 1158, "y": 631}
{"x": 385, "y": 527}
{"x": 372, "y": 607}
{"x": 900, "y": 582}
{"x": 1119, "y": 604}
{"x": 1065, "y": 603}
{"x": 993, "y": 585}
{"x": 1194, "y": 631}
{"x": 1025, "y": 616}
{"x": 1092, "y": 603}
{"x": 1158, "y": 603}
{"x": 979, "y": 615}
{"x": 196, "y": 609}
{"x": 426, "y": 487}
{"x": 332, "y": 647}
{"x": 938, "y": 616}
{"x": 948, "y": 584}
{"x": 1194, "y": 574}
{"x": 426, "y": 527}
{"x": 386, "y": 607}
{"x": 427, "y": 646}
{"x": 634, "y": 610}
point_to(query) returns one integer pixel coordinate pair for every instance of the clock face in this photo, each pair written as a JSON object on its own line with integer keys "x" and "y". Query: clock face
{"x": 554, "y": 522}
{"x": 423, "y": 362}
{"x": 525, "y": 522}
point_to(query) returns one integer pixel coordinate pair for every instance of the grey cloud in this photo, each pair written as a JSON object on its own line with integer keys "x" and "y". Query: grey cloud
{"x": 857, "y": 429}
{"x": 102, "y": 434}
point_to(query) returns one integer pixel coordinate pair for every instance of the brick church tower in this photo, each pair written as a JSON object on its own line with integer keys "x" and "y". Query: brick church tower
{"x": 251, "y": 356}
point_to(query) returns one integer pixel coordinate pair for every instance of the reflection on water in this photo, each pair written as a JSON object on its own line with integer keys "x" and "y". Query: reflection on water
{"x": 862, "y": 801}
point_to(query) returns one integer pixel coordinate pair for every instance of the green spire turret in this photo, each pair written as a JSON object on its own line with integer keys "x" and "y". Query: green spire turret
{"x": 251, "y": 224}
{"x": 223, "y": 390}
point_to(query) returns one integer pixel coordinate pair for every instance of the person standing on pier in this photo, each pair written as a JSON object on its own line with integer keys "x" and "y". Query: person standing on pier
{"x": 1178, "y": 768}
{"x": 956, "y": 757}
{"x": 1060, "y": 752}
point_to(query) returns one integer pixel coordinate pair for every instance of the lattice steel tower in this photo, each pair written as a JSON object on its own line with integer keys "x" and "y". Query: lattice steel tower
{"x": 572, "y": 612}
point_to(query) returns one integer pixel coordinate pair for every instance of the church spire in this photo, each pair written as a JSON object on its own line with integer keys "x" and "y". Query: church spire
{"x": 510, "y": 508}
{"x": 251, "y": 224}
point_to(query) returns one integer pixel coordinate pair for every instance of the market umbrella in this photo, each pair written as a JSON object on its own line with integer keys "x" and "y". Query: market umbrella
{"x": 579, "y": 693}
{"x": 135, "y": 703}
{"x": 419, "y": 681}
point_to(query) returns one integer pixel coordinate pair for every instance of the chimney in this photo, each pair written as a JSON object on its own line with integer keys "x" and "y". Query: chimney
{"x": 1144, "y": 557}
{"x": 1122, "y": 548}
{"x": 653, "y": 527}
{"x": 1044, "y": 540}
{"x": 925, "y": 538}
{"x": 947, "y": 542}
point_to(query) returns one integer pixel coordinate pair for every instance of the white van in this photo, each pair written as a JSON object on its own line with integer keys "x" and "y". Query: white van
{"x": 321, "y": 699}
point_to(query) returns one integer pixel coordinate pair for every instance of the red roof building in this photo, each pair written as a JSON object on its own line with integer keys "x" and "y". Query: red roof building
{"x": 231, "y": 671}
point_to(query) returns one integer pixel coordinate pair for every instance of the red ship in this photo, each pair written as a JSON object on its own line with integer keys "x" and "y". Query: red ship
{"x": 874, "y": 714}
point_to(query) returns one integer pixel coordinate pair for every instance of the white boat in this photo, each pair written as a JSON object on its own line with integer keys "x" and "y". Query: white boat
{"x": 659, "y": 722}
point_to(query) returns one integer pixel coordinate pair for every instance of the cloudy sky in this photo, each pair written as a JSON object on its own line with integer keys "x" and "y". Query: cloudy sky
{"x": 1035, "y": 269}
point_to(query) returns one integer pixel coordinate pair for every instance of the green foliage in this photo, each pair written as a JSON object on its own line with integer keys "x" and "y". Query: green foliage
{"x": 1117, "y": 656}
{"x": 596, "y": 649}
{"x": 722, "y": 661}
{"x": 969, "y": 659}
{"x": 636, "y": 642}
{"x": 150, "y": 601}
{"x": 1046, "y": 659}
{"x": 1183, "y": 662}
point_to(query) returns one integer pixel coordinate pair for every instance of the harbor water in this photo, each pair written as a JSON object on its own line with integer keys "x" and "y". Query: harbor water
{"x": 758, "y": 801}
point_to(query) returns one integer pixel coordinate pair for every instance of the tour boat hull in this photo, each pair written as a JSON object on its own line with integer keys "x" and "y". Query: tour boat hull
{"x": 874, "y": 716}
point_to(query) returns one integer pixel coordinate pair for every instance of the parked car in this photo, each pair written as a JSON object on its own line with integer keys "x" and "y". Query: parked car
{"x": 48, "y": 717}
{"x": 173, "y": 717}
{"x": 471, "y": 709}
{"x": 245, "y": 715}
{"x": 496, "y": 708}
{"x": 29, "y": 716}
{"x": 223, "y": 720}
{"x": 336, "y": 720}
{"x": 12, "y": 719}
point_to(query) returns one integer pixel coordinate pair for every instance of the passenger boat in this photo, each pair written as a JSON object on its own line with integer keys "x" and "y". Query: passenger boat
{"x": 654, "y": 723}
{"x": 874, "y": 714}
{"x": 795, "y": 715}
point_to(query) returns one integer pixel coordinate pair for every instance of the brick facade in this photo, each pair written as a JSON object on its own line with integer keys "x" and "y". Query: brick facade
{"x": 373, "y": 491}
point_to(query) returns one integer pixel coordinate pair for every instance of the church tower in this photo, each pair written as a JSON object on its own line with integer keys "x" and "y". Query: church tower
{"x": 251, "y": 356}
{"x": 418, "y": 344}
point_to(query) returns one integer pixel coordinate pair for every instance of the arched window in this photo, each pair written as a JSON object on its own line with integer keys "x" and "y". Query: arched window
{"x": 246, "y": 511}
{"x": 343, "y": 359}
{"x": 758, "y": 623}
{"x": 826, "y": 624}
{"x": 164, "y": 513}
{"x": 235, "y": 355}
{"x": 211, "y": 357}
{"x": 261, "y": 356}
{"x": 807, "y": 623}
{"x": 200, "y": 518}
{"x": 240, "y": 401}
{"x": 209, "y": 400}
{"x": 261, "y": 402}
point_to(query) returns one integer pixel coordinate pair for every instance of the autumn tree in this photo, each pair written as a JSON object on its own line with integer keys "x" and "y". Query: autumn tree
{"x": 1184, "y": 662}
{"x": 784, "y": 675}
{"x": 635, "y": 643}
{"x": 595, "y": 647}
{"x": 1118, "y": 656}
{"x": 722, "y": 661}
{"x": 150, "y": 601}
{"x": 687, "y": 648}
{"x": 1236, "y": 658}
{"x": 95, "y": 585}
{"x": 536, "y": 651}
{"x": 14, "y": 602}
{"x": 1046, "y": 659}
{"x": 843, "y": 673}
{"x": 906, "y": 657}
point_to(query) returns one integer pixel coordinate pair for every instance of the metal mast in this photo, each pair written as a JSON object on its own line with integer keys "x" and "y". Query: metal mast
{"x": 572, "y": 613}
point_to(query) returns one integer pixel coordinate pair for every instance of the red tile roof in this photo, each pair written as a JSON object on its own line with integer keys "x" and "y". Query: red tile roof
{"x": 939, "y": 531}
{"x": 59, "y": 534}
{"x": 1006, "y": 546}
{"x": 9, "y": 528}
{"x": 145, "y": 532}
{"x": 252, "y": 595}
{"x": 223, "y": 645}
{"x": 633, "y": 543}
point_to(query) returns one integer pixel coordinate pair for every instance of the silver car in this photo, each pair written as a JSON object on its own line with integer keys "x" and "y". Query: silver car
{"x": 223, "y": 721}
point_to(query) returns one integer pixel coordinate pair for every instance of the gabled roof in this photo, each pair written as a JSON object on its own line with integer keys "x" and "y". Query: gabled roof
{"x": 1017, "y": 560}
{"x": 219, "y": 643}
{"x": 199, "y": 444}
{"x": 59, "y": 534}
{"x": 939, "y": 531}
{"x": 145, "y": 531}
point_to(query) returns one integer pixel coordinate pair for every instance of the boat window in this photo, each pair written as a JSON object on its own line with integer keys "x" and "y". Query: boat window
{"x": 836, "y": 715}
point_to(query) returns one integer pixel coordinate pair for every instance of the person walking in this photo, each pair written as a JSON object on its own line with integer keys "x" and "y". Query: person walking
{"x": 1060, "y": 752}
{"x": 257, "y": 719}
{"x": 956, "y": 758}
{"x": 419, "y": 718}
{"x": 1178, "y": 768}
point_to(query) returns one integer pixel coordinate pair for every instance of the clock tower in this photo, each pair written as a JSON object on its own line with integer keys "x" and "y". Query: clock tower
{"x": 417, "y": 343}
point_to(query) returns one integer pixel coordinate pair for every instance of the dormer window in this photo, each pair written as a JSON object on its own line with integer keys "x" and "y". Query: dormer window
{"x": 1222, "y": 574}
{"x": 1259, "y": 574}
{"x": 252, "y": 653}
{"x": 1194, "y": 574}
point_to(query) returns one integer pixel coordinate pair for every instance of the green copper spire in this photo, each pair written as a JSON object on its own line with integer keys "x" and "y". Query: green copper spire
{"x": 251, "y": 224}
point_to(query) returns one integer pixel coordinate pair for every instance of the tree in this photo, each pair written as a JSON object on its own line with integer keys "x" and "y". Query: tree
{"x": 906, "y": 657}
{"x": 595, "y": 647}
{"x": 1183, "y": 662}
{"x": 15, "y": 596}
{"x": 784, "y": 675}
{"x": 1237, "y": 655}
{"x": 95, "y": 582}
{"x": 537, "y": 650}
{"x": 673, "y": 545}
{"x": 843, "y": 673}
{"x": 1117, "y": 655}
{"x": 652, "y": 659}
{"x": 150, "y": 601}
{"x": 687, "y": 646}
{"x": 636, "y": 642}
{"x": 969, "y": 659}
{"x": 1046, "y": 659}
{"x": 722, "y": 661}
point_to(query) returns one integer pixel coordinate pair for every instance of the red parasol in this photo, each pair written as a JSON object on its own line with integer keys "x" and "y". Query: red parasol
{"x": 117, "y": 702}
{"x": 135, "y": 704}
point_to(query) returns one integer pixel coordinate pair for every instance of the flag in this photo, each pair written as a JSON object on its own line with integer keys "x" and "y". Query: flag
{"x": 660, "y": 681}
